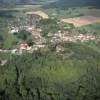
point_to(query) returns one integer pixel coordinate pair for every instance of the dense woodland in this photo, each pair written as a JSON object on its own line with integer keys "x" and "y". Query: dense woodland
{"x": 71, "y": 75}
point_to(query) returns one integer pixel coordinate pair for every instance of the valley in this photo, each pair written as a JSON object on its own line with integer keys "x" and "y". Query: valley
{"x": 50, "y": 50}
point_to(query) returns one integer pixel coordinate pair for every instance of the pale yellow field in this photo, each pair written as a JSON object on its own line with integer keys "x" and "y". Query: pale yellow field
{"x": 40, "y": 13}
{"x": 82, "y": 20}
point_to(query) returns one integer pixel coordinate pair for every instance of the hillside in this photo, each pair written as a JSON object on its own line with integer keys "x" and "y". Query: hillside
{"x": 73, "y": 3}
{"x": 72, "y": 75}
{"x": 54, "y": 3}
{"x": 11, "y": 3}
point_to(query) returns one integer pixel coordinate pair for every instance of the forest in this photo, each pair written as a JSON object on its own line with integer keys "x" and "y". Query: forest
{"x": 45, "y": 75}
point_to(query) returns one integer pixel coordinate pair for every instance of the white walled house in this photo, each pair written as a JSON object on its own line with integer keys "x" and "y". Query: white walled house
{"x": 14, "y": 30}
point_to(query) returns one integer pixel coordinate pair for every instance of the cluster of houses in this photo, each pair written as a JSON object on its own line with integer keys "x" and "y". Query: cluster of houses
{"x": 73, "y": 38}
{"x": 41, "y": 41}
{"x": 24, "y": 48}
{"x": 80, "y": 37}
{"x": 14, "y": 29}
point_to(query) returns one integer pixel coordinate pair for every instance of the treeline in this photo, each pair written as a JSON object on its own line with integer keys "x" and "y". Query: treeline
{"x": 45, "y": 75}
{"x": 11, "y": 3}
{"x": 7, "y": 3}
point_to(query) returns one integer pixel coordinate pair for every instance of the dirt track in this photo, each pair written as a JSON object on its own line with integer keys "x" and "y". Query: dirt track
{"x": 83, "y": 20}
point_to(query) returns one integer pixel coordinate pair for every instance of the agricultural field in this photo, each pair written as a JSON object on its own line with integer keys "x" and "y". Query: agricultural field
{"x": 82, "y": 20}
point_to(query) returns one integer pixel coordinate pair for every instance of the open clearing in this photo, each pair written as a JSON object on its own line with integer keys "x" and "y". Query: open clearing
{"x": 39, "y": 13}
{"x": 82, "y": 20}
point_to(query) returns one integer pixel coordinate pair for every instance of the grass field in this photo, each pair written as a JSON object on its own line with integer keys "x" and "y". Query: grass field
{"x": 93, "y": 28}
{"x": 72, "y": 12}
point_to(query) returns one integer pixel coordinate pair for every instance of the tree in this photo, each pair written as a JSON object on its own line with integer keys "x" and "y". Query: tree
{"x": 24, "y": 35}
{"x": 30, "y": 41}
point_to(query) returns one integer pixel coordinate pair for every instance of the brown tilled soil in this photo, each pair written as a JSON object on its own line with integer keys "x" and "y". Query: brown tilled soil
{"x": 82, "y": 20}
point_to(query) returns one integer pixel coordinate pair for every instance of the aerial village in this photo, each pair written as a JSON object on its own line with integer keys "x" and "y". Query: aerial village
{"x": 40, "y": 41}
